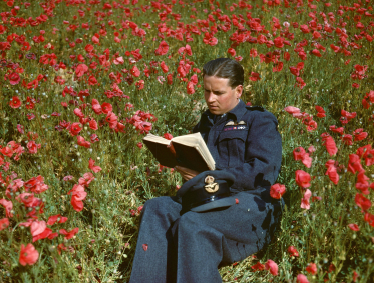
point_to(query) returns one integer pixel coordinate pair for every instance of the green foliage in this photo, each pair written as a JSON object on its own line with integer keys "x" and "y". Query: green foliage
{"x": 103, "y": 249}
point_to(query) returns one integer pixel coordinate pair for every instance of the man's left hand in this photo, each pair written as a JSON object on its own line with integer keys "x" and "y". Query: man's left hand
{"x": 186, "y": 173}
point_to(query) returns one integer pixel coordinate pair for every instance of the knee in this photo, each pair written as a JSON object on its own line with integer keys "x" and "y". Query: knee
{"x": 189, "y": 223}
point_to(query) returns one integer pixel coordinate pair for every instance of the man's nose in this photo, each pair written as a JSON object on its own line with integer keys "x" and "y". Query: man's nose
{"x": 210, "y": 97}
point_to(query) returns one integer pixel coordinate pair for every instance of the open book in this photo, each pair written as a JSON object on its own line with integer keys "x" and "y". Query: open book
{"x": 188, "y": 151}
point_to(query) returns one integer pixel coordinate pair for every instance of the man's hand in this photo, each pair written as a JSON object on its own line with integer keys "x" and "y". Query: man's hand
{"x": 186, "y": 173}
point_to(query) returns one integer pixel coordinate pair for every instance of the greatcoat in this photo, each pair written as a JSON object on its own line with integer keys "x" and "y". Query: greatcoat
{"x": 189, "y": 247}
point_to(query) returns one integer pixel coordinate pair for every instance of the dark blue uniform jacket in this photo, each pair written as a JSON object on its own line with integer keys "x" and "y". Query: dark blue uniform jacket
{"x": 245, "y": 142}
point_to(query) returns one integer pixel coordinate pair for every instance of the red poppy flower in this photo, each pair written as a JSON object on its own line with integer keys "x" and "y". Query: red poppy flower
{"x": 301, "y": 278}
{"x": 111, "y": 119}
{"x": 359, "y": 134}
{"x": 135, "y": 71}
{"x": 231, "y": 51}
{"x": 305, "y": 204}
{"x": 15, "y": 102}
{"x": 346, "y": 116}
{"x": 272, "y": 267}
{"x": 82, "y": 142}
{"x": 255, "y": 77}
{"x": 162, "y": 49}
{"x": 28, "y": 255}
{"x": 77, "y": 195}
{"x": 277, "y": 191}
{"x": 8, "y": 207}
{"x": 75, "y": 128}
{"x": 56, "y": 218}
{"x": 292, "y": 110}
{"x": 4, "y": 223}
{"x": 93, "y": 124}
{"x": 81, "y": 70}
{"x": 302, "y": 178}
{"x": 354, "y": 164}
{"x": 347, "y": 139}
{"x": 14, "y": 78}
{"x": 91, "y": 165}
{"x": 37, "y": 227}
{"x": 337, "y": 130}
{"x": 168, "y": 136}
{"x": 33, "y": 147}
{"x": 94, "y": 138}
{"x": 70, "y": 234}
{"x": 312, "y": 268}
{"x": 258, "y": 266}
{"x": 164, "y": 67}
{"x": 354, "y": 227}
{"x": 316, "y": 52}
{"x": 278, "y": 67}
{"x": 292, "y": 251}
{"x": 330, "y": 144}
{"x": 362, "y": 183}
{"x": 321, "y": 112}
{"x": 86, "y": 179}
{"x": 26, "y": 198}
{"x": 362, "y": 202}
{"x": 369, "y": 218}
{"x": 332, "y": 171}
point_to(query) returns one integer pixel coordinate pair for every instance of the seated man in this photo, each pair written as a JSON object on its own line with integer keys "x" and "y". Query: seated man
{"x": 187, "y": 243}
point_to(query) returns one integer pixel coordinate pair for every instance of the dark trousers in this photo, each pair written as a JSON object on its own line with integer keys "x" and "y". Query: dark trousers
{"x": 191, "y": 247}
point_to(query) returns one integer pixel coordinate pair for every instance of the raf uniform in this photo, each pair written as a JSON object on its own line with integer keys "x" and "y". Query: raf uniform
{"x": 179, "y": 241}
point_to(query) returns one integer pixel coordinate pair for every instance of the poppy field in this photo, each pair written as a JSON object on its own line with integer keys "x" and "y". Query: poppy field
{"x": 82, "y": 82}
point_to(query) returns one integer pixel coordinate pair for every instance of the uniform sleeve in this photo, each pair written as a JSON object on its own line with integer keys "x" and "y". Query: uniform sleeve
{"x": 263, "y": 154}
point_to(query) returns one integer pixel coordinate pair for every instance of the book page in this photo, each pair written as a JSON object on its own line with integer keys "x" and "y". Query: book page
{"x": 196, "y": 140}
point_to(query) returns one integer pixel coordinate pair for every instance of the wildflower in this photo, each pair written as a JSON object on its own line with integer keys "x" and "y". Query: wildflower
{"x": 91, "y": 165}
{"x": 302, "y": 178}
{"x": 305, "y": 204}
{"x": 292, "y": 251}
{"x": 28, "y": 255}
{"x": 4, "y": 223}
{"x": 362, "y": 202}
{"x": 332, "y": 171}
{"x": 75, "y": 128}
{"x": 14, "y": 78}
{"x": 8, "y": 207}
{"x": 301, "y": 278}
{"x": 329, "y": 143}
{"x": 77, "y": 195}
{"x": 272, "y": 267}
{"x": 312, "y": 268}
{"x": 277, "y": 191}
{"x": 354, "y": 227}
{"x": 15, "y": 102}
{"x": 258, "y": 266}
{"x": 56, "y": 218}
{"x": 70, "y": 234}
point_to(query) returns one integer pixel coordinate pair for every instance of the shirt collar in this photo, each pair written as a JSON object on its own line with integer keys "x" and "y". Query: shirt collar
{"x": 238, "y": 111}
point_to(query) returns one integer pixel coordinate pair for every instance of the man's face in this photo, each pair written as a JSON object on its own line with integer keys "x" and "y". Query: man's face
{"x": 219, "y": 96}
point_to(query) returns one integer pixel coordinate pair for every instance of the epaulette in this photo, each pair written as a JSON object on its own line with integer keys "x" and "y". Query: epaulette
{"x": 255, "y": 107}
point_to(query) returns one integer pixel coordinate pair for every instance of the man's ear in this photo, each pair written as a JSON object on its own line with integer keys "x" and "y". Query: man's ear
{"x": 239, "y": 91}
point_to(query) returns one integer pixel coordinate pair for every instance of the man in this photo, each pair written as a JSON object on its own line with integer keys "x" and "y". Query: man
{"x": 186, "y": 238}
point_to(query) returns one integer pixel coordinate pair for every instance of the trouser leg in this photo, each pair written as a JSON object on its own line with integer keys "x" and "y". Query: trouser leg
{"x": 155, "y": 255}
{"x": 207, "y": 240}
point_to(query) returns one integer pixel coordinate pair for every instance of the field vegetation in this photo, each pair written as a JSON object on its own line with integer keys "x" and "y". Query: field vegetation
{"x": 82, "y": 81}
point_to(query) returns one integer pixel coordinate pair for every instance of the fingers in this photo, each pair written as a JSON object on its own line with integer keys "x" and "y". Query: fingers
{"x": 186, "y": 173}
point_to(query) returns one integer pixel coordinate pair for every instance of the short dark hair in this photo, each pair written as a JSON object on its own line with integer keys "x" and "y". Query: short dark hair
{"x": 225, "y": 68}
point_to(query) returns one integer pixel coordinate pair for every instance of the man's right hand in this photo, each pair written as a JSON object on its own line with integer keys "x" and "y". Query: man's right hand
{"x": 186, "y": 173}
